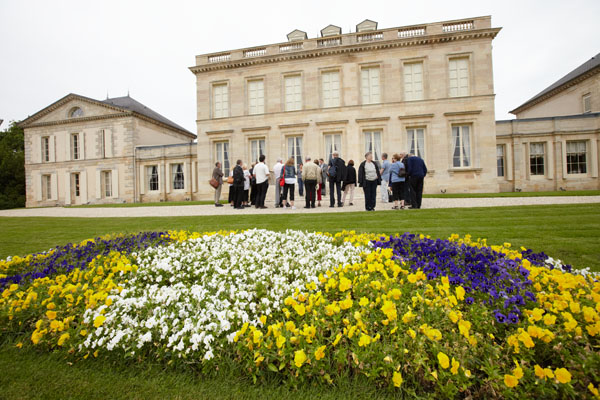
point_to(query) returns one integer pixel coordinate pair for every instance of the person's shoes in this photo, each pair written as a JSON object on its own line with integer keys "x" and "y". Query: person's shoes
{"x": 319, "y": 204}
{"x": 331, "y": 206}
{"x": 351, "y": 204}
{"x": 218, "y": 205}
{"x": 306, "y": 207}
{"x": 287, "y": 205}
{"x": 340, "y": 205}
{"x": 293, "y": 207}
{"x": 313, "y": 206}
{"x": 263, "y": 207}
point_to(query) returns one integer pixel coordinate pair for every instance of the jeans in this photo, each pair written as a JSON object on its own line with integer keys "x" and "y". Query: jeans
{"x": 370, "y": 189}
{"x": 300, "y": 187}
{"x": 338, "y": 190}
{"x": 310, "y": 187}
{"x": 416, "y": 191}
{"x": 385, "y": 196}
{"x": 261, "y": 193}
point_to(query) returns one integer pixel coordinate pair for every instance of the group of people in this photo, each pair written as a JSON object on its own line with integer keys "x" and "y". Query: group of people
{"x": 403, "y": 176}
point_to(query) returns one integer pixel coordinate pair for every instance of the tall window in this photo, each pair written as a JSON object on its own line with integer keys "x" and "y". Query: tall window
{"x": 577, "y": 157}
{"x": 462, "y": 148}
{"x": 333, "y": 143}
{"x": 459, "y": 77}
{"x": 295, "y": 148}
{"x": 177, "y": 176}
{"x": 220, "y": 100}
{"x": 222, "y": 156}
{"x": 587, "y": 103}
{"x": 46, "y": 187}
{"x": 536, "y": 158}
{"x": 75, "y": 184}
{"x": 75, "y": 146}
{"x": 416, "y": 141}
{"x": 370, "y": 85}
{"x": 500, "y": 159}
{"x": 257, "y": 148}
{"x": 107, "y": 183}
{"x": 152, "y": 172}
{"x": 45, "y": 149}
{"x": 413, "y": 81}
{"x": 256, "y": 97}
{"x": 330, "y": 83}
{"x": 293, "y": 92}
{"x": 373, "y": 143}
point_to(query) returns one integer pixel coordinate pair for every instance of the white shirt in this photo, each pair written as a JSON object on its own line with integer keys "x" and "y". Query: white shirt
{"x": 262, "y": 172}
{"x": 246, "y": 179}
{"x": 277, "y": 169}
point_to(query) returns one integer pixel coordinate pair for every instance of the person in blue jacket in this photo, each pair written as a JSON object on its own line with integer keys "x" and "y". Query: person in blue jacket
{"x": 415, "y": 171}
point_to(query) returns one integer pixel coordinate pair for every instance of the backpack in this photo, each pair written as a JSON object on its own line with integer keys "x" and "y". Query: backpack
{"x": 332, "y": 170}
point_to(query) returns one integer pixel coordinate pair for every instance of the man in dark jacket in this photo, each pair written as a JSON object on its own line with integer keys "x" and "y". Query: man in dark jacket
{"x": 415, "y": 171}
{"x": 336, "y": 171}
{"x": 238, "y": 184}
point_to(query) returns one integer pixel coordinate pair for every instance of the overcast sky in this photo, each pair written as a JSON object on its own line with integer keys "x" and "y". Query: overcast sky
{"x": 94, "y": 48}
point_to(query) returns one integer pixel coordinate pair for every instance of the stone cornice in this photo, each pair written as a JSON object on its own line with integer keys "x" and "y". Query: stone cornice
{"x": 338, "y": 122}
{"x": 416, "y": 116}
{"x": 298, "y": 125}
{"x": 219, "y": 131}
{"x": 457, "y": 113}
{"x": 555, "y": 91}
{"x": 354, "y": 48}
{"x": 78, "y": 120}
{"x": 375, "y": 119}
{"x": 256, "y": 128}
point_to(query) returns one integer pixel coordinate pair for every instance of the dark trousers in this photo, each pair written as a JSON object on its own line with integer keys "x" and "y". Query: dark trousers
{"x": 370, "y": 189}
{"x": 238, "y": 195}
{"x": 245, "y": 198}
{"x": 338, "y": 190}
{"x": 288, "y": 188}
{"x": 310, "y": 187}
{"x": 253, "y": 194}
{"x": 261, "y": 193}
{"x": 416, "y": 191}
{"x": 231, "y": 196}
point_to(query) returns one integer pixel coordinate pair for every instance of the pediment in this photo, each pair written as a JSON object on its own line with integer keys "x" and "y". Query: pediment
{"x": 366, "y": 25}
{"x": 331, "y": 30}
{"x": 297, "y": 34}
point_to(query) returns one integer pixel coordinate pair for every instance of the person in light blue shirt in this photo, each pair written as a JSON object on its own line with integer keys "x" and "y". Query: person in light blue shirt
{"x": 398, "y": 180}
{"x": 385, "y": 178}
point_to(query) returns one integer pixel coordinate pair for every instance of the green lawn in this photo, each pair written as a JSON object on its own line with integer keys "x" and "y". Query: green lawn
{"x": 513, "y": 194}
{"x": 569, "y": 232}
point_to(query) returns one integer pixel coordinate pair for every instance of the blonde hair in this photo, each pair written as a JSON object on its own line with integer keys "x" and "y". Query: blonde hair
{"x": 397, "y": 157}
{"x": 290, "y": 161}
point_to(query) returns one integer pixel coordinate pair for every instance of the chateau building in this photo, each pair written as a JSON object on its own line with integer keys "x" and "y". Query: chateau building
{"x": 427, "y": 89}
{"x": 554, "y": 142}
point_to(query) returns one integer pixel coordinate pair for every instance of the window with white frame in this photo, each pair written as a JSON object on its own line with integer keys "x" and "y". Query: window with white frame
{"x": 459, "y": 76}
{"x": 220, "y": 100}
{"x": 46, "y": 187}
{"x": 222, "y": 156}
{"x": 330, "y": 84}
{"x": 75, "y": 183}
{"x": 152, "y": 177}
{"x": 45, "y": 148}
{"x": 500, "y": 159}
{"x": 106, "y": 177}
{"x": 370, "y": 85}
{"x": 295, "y": 149}
{"x": 536, "y": 159}
{"x": 177, "y": 176}
{"x": 257, "y": 148}
{"x": 293, "y": 92}
{"x": 413, "y": 81}
{"x": 102, "y": 144}
{"x": 256, "y": 96}
{"x": 587, "y": 103}
{"x": 373, "y": 143}
{"x": 75, "y": 146}
{"x": 577, "y": 157}
{"x": 416, "y": 141}
{"x": 333, "y": 143}
{"x": 461, "y": 141}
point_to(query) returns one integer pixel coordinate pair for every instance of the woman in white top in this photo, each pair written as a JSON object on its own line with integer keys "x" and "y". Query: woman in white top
{"x": 246, "y": 186}
{"x": 290, "y": 179}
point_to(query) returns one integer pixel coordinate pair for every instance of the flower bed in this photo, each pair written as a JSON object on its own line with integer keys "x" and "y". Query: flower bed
{"x": 431, "y": 317}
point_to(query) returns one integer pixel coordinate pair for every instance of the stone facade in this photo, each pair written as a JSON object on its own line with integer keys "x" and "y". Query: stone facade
{"x": 374, "y": 89}
{"x": 82, "y": 151}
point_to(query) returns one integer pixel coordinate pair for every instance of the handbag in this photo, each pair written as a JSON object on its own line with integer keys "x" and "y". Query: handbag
{"x": 214, "y": 183}
{"x": 282, "y": 179}
{"x": 230, "y": 180}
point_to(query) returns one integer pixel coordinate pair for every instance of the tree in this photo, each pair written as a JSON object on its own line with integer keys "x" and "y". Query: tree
{"x": 12, "y": 167}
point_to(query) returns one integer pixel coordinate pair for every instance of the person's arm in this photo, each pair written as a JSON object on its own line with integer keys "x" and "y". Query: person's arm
{"x": 425, "y": 168}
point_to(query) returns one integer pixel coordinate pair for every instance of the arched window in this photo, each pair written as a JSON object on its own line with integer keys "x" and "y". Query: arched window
{"x": 75, "y": 112}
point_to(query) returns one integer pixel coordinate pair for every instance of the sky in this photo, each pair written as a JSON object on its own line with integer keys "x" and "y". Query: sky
{"x": 98, "y": 48}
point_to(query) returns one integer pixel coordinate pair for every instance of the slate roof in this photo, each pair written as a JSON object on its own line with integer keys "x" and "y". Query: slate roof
{"x": 589, "y": 65}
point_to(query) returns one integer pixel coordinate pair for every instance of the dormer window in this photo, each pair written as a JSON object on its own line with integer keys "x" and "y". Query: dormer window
{"x": 75, "y": 112}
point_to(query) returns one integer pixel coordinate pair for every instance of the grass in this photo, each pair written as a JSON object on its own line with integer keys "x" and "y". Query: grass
{"x": 569, "y": 232}
{"x": 513, "y": 194}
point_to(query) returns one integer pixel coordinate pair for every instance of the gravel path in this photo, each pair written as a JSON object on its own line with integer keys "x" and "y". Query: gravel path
{"x": 177, "y": 211}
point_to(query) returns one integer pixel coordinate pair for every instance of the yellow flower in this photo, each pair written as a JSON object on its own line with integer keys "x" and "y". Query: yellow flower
{"x": 518, "y": 372}
{"x": 19, "y": 345}
{"x": 300, "y": 309}
{"x": 510, "y": 381}
{"x": 13, "y": 287}
{"x": 345, "y": 284}
{"x": 63, "y": 338}
{"x": 338, "y": 337}
{"x": 389, "y": 309}
{"x": 363, "y": 301}
{"x": 83, "y": 332}
{"x": 594, "y": 390}
{"x": 290, "y": 326}
{"x": 453, "y": 316}
{"x": 395, "y": 293}
{"x": 50, "y": 306}
{"x": 460, "y": 293}
{"x": 562, "y": 375}
{"x": 397, "y": 379}
{"x": 263, "y": 319}
{"x": 526, "y": 339}
{"x": 443, "y": 360}
{"x": 320, "y": 353}
{"x": 408, "y": 317}
{"x": 280, "y": 341}
{"x": 364, "y": 340}
{"x": 36, "y": 336}
{"x": 257, "y": 336}
{"x": 455, "y": 365}
{"x": 346, "y": 303}
{"x": 299, "y": 358}
{"x": 549, "y": 319}
{"x": 539, "y": 372}
{"x": 548, "y": 372}
{"x": 51, "y": 314}
{"x": 99, "y": 320}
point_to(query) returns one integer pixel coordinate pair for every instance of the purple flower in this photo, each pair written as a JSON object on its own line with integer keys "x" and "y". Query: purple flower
{"x": 469, "y": 300}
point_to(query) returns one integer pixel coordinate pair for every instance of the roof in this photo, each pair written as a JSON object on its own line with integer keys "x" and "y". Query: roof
{"x": 123, "y": 104}
{"x": 562, "y": 83}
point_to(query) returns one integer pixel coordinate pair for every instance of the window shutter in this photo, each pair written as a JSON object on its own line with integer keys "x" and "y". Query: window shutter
{"x": 36, "y": 149}
{"x": 67, "y": 146}
{"x": 142, "y": 180}
{"x": 67, "y": 187}
{"x": 98, "y": 184}
{"x": 54, "y": 186}
{"x": 82, "y": 146}
{"x": 52, "y": 148}
{"x": 115, "y": 183}
{"x": 38, "y": 186}
{"x": 169, "y": 176}
{"x": 186, "y": 179}
{"x": 463, "y": 77}
{"x": 83, "y": 187}
{"x": 108, "y": 143}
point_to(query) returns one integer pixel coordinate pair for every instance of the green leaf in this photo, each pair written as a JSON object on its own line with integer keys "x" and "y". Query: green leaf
{"x": 272, "y": 367}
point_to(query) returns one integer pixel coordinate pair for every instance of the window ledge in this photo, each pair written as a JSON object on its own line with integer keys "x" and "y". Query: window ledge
{"x": 465, "y": 169}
